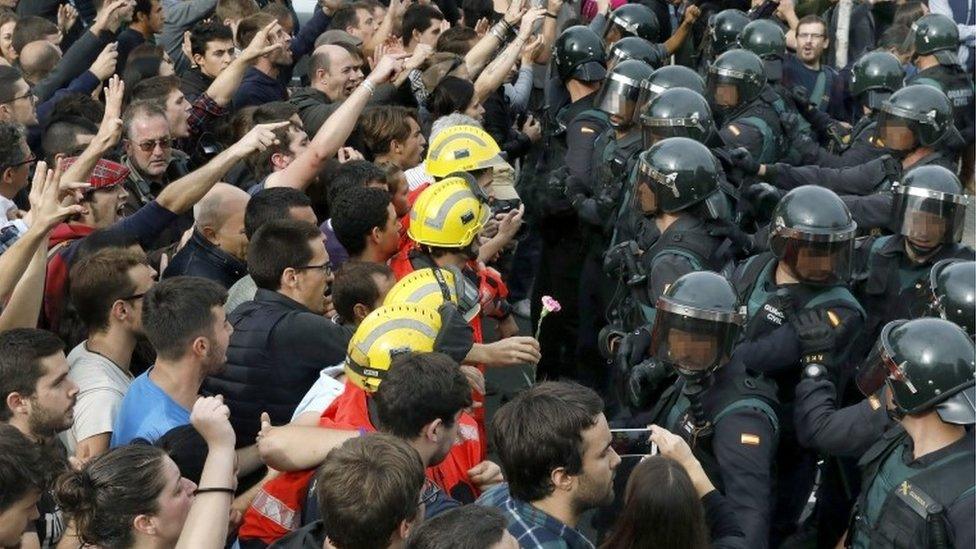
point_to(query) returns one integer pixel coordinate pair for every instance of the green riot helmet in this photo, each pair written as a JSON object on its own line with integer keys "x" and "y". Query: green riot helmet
{"x": 678, "y": 112}
{"x": 673, "y": 175}
{"x": 665, "y": 78}
{"x": 767, "y": 40}
{"x": 632, "y": 20}
{"x": 953, "y": 286}
{"x": 632, "y": 47}
{"x": 812, "y": 232}
{"x": 874, "y": 77}
{"x": 578, "y": 54}
{"x": 936, "y": 34}
{"x": 697, "y": 322}
{"x": 914, "y": 116}
{"x": 927, "y": 364}
{"x": 618, "y": 95}
{"x": 929, "y": 208}
{"x": 736, "y": 78}
{"x": 724, "y": 28}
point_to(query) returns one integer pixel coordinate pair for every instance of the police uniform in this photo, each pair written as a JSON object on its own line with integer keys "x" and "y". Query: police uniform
{"x": 953, "y": 81}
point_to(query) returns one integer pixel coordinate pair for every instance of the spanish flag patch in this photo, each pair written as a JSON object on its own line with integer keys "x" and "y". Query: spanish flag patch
{"x": 751, "y": 440}
{"x": 874, "y": 402}
{"x": 735, "y": 131}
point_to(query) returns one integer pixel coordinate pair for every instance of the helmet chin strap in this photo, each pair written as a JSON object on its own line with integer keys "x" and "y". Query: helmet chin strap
{"x": 921, "y": 253}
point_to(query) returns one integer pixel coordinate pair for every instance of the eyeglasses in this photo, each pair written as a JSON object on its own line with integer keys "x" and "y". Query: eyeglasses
{"x": 808, "y": 36}
{"x": 30, "y": 160}
{"x": 149, "y": 146}
{"x": 325, "y": 268}
{"x": 28, "y": 95}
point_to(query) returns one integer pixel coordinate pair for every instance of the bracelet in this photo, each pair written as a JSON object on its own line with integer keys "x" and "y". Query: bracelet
{"x": 549, "y": 14}
{"x": 499, "y": 30}
{"x": 219, "y": 489}
{"x": 370, "y": 87}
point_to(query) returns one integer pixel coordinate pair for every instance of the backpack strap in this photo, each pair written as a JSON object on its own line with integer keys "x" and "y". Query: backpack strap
{"x": 768, "y": 153}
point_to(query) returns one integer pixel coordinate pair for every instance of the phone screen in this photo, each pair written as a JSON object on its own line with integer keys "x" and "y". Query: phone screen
{"x": 632, "y": 442}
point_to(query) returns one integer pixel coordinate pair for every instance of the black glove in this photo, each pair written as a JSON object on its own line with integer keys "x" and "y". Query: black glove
{"x": 817, "y": 338}
{"x": 742, "y": 159}
{"x": 763, "y": 197}
{"x": 643, "y": 382}
{"x": 723, "y": 228}
{"x": 801, "y": 97}
{"x": 632, "y": 350}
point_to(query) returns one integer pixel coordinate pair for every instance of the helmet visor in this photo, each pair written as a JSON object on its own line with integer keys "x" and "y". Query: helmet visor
{"x": 645, "y": 199}
{"x": 897, "y": 133}
{"x": 691, "y": 345}
{"x": 817, "y": 263}
{"x": 929, "y": 218}
{"x": 618, "y": 98}
{"x": 614, "y": 32}
{"x": 654, "y": 129}
{"x": 724, "y": 91}
{"x": 879, "y": 367}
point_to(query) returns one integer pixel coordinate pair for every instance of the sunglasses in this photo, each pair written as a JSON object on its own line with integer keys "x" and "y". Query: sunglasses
{"x": 150, "y": 145}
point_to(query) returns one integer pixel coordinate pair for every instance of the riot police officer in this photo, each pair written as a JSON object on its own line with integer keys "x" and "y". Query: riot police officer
{"x": 632, "y": 20}
{"x": 635, "y": 47}
{"x": 736, "y": 81}
{"x": 595, "y": 199}
{"x": 915, "y": 128}
{"x": 723, "y": 32}
{"x": 579, "y": 62}
{"x": 936, "y": 42}
{"x": 918, "y": 480}
{"x": 727, "y": 415}
{"x": 799, "y": 310}
{"x": 665, "y": 78}
{"x": 952, "y": 284}
{"x": 929, "y": 215}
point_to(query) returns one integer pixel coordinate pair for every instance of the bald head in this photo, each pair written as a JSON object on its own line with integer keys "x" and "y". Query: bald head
{"x": 334, "y": 71}
{"x": 37, "y": 59}
{"x": 219, "y": 217}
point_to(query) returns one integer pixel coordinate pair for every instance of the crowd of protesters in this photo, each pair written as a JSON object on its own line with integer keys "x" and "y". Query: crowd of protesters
{"x": 259, "y": 258}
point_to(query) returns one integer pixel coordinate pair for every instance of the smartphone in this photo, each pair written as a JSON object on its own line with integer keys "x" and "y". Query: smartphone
{"x": 632, "y": 442}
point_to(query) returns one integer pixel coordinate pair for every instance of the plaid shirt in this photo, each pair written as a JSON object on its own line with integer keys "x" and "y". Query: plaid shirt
{"x": 204, "y": 111}
{"x": 11, "y": 233}
{"x": 531, "y": 527}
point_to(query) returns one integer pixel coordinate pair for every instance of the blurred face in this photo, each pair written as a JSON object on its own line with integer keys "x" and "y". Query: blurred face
{"x": 600, "y": 461}
{"x": 14, "y": 519}
{"x": 430, "y": 35}
{"x": 614, "y": 33}
{"x": 150, "y": 145}
{"x": 692, "y": 351}
{"x": 216, "y": 58}
{"x": 926, "y": 230}
{"x": 412, "y": 149}
{"x": 344, "y": 75}
{"x": 52, "y": 406}
{"x": 727, "y": 95}
{"x": 7, "y": 41}
{"x": 105, "y": 205}
{"x": 646, "y": 199}
{"x": 814, "y": 264}
{"x": 811, "y": 41}
{"x": 314, "y": 280}
{"x": 22, "y": 106}
{"x": 897, "y": 135}
{"x": 178, "y": 114}
{"x": 475, "y": 110}
{"x": 173, "y": 503}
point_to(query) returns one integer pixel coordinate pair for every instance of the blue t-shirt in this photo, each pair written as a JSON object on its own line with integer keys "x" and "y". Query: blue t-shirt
{"x": 147, "y": 413}
{"x": 818, "y": 84}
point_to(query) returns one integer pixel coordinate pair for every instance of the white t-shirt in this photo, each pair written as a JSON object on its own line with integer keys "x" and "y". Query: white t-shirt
{"x": 101, "y": 387}
{"x": 326, "y": 388}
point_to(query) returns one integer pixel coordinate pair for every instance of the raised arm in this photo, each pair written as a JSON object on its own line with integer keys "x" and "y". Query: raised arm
{"x": 333, "y": 134}
{"x": 394, "y": 13}
{"x": 296, "y": 447}
{"x": 673, "y": 43}
{"x": 109, "y": 133}
{"x": 549, "y": 31}
{"x": 180, "y": 195}
{"x": 494, "y": 76}
{"x": 479, "y": 56}
{"x": 225, "y": 85}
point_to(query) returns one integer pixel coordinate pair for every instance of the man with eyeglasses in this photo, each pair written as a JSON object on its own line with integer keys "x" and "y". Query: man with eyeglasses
{"x": 805, "y": 68}
{"x": 149, "y": 154}
{"x": 15, "y": 162}
{"x": 106, "y": 291}
{"x": 18, "y": 104}
{"x": 282, "y": 338}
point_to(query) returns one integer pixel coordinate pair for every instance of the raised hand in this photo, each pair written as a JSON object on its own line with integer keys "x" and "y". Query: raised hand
{"x": 47, "y": 210}
{"x": 105, "y": 64}
{"x": 528, "y": 21}
{"x": 211, "y": 418}
{"x": 515, "y": 12}
{"x": 67, "y": 15}
{"x": 387, "y": 68}
{"x": 259, "y": 138}
{"x": 420, "y": 54}
{"x": 482, "y": 26}
{"x": 264, "y": 42}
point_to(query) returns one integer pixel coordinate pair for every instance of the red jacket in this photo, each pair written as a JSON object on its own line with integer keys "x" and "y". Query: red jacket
{"x": 276, "y": 509}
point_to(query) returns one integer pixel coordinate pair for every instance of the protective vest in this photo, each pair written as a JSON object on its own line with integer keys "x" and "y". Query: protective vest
{"x": 552, "y": 196}
{"x": 904, "y": 507}
{"x": 276, "y": 509}
{"x": 728, "y": 393}
{"x": 613, "y": 161}
{"x": 796, "y": 128}
{"x": 762, "y": 116}
{"x": 958, "y": 87}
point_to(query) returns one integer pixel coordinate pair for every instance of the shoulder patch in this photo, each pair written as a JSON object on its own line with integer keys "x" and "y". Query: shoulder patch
{"x": 749, "y": 439}
{"x": 735, "y": 130}
{"x": 874, "y": 402}
{"x": 587, "y": 129}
